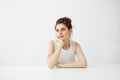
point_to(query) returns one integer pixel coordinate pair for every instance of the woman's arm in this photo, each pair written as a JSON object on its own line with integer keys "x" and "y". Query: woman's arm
{"x": 81, "y": 63}
{"x": 71, "y": 65}
{"x": 53, "y": 55}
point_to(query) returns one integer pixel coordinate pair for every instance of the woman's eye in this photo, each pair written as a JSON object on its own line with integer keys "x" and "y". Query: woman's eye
{"x": 57, "y": 30}
{"x": 63, "y": 29}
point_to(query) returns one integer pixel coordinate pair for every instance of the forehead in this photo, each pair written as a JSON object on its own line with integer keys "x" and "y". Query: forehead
{"x": 59, "y": 26}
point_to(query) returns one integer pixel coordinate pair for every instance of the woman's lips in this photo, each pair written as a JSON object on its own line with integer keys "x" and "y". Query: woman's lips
{"x": 60, "y": 36}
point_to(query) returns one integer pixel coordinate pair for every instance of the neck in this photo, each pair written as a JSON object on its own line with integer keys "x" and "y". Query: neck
{"x": 67, "y": 44}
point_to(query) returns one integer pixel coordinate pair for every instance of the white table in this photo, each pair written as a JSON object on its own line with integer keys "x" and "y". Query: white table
{"x": 93, "y": 72}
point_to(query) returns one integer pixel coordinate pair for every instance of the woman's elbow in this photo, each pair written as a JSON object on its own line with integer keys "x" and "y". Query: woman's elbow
{"x": 85, "y": 65}
{"x": 50, "y": 66}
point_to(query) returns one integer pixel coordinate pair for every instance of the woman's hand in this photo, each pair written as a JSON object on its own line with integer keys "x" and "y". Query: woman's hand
{"x": 61, "y": 42}
{"x": 57, "y": 64}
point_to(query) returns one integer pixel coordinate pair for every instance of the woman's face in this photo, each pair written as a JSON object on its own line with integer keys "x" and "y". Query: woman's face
{"x": 62, "y": 32}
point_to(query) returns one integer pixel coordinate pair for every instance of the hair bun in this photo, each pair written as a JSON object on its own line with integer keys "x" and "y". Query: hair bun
{"x": 67, "y": 19}
{"x": 64, "y": 20}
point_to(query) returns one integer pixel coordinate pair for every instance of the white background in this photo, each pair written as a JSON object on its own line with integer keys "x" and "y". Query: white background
{"x": 26, "y": 26}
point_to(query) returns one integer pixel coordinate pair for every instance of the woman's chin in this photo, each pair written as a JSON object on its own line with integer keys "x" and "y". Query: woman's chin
{"x": 61, "y": 38}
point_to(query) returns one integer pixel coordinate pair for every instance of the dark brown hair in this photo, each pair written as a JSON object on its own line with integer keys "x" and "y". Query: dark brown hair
{"x": 66, "y": 21}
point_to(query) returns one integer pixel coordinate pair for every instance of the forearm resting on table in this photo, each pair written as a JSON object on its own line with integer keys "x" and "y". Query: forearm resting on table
{"x": 53, "y": 54}
{"x": 72, "y": 65}
{"x": 52, "y": 60}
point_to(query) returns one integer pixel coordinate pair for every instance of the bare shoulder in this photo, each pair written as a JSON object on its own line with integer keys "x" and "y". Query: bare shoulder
{"x": 77, "y": 44}
{"x": 51, "y": 42}
{"x": 51, "y": 45}
{"x": 50, "y": 48}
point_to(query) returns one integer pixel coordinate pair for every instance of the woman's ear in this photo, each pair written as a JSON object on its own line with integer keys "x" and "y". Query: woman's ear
{"x": 70, "y": 30}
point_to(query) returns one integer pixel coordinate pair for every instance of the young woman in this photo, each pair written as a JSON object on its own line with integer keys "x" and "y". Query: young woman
{"x": 63, "y": 52}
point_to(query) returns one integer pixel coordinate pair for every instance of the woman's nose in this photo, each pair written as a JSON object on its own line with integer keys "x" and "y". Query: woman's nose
{"x": 60, "y": 32}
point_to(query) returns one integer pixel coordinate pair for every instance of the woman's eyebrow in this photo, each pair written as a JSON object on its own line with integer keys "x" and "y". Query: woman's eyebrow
{"x": 63, "y": 28}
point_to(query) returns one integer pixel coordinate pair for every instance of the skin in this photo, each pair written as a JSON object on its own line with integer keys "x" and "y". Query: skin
{"x": 63, "y": 37}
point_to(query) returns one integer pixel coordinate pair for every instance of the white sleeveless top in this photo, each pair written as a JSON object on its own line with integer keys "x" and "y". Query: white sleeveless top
{"x": 68, "y": 55}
